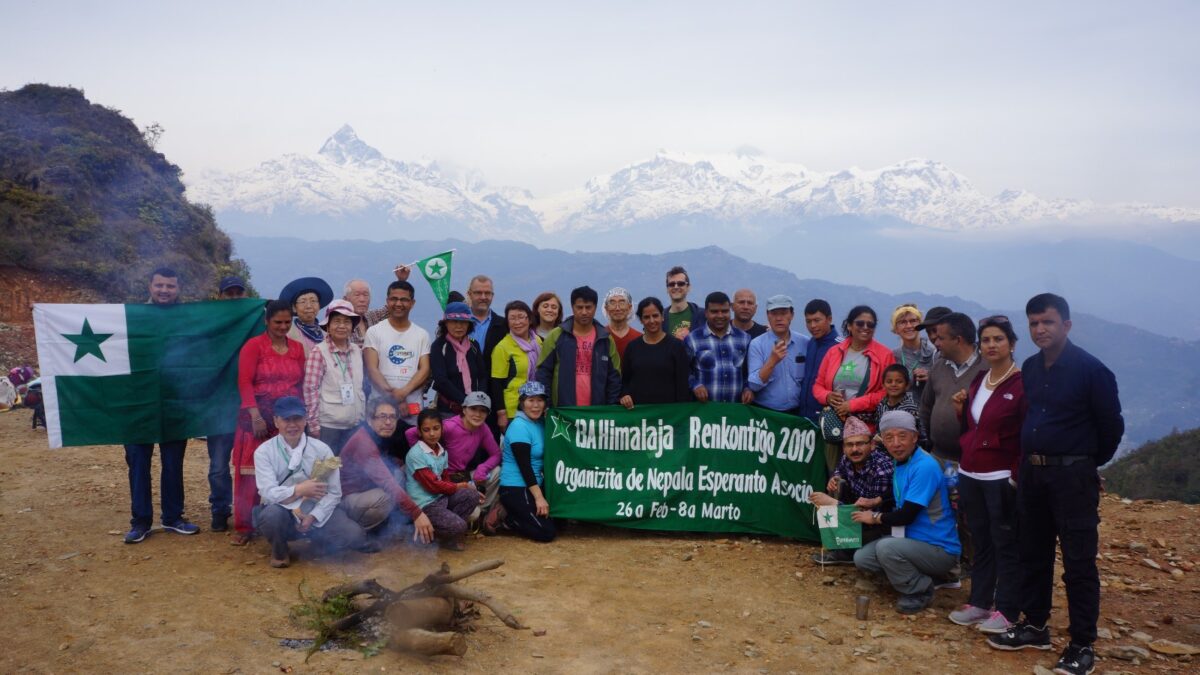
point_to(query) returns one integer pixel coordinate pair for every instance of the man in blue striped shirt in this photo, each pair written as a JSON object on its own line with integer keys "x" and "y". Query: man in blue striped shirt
{"x": 717, "y": 352}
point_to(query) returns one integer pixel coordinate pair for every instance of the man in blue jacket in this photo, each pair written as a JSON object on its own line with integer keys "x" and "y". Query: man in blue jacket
{"x": 1073, "y": 427}
{"x": 818, "y": 319}
{"x": 579, "y": 362}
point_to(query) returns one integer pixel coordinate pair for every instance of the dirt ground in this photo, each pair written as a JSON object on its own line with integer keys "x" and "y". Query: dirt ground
{"x": 76, "y": 599}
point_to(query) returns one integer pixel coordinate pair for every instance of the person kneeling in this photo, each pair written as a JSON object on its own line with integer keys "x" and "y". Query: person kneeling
{"x": 863, "y": 477}
{"x": 924, "y": 542}
{"x": 295, "y": 503}
{"x": 451, "y": 507}
{"x": 521, "y": 478}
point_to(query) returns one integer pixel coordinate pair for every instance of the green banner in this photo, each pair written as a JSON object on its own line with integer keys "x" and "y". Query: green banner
{"x": 706, "y": 467}
{"x": 838, "y": 529}
{"x": 436, "y": 270}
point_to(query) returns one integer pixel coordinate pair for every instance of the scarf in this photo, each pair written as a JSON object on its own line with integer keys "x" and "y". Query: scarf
{"x": 296, "y": 454}
{"x": 311, "y": 331}
{"x": 533, "y": 350}
{"x": 460, "y": 358}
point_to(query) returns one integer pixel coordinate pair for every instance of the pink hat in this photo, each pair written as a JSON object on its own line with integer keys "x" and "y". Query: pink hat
{"x": 342, "y": 307}
{"x": 855, "y": 427}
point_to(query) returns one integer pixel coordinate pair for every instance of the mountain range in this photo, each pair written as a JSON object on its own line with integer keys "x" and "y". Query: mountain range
{"x": 913, "y": 226}
{"x": 347, "y": 177}
{"x": 1159, "y": 377}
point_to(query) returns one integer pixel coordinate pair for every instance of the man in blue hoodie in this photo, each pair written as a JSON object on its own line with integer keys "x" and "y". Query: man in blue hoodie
{"x": 818, "y": 318}
{"x": 579, "y": 362}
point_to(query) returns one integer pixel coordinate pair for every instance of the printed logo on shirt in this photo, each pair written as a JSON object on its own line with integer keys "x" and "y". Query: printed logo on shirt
{"x": 849, "y": 369}
{"x": 399, "y": 354}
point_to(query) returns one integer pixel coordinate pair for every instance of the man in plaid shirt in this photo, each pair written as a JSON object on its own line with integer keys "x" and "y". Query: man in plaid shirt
{"x": 863, "y": 477}
{"x": 717, "y": 352}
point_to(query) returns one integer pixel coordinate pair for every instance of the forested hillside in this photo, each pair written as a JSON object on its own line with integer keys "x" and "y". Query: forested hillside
{"x": 1162, "y": 469}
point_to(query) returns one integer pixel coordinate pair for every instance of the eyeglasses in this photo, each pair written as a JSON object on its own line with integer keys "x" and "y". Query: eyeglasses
{"x": 676, "y": 284}
{"x": 385, "y": 418}
{"x": 991, "y": 320}
{"x": 400, "y": 301}
{"x": 864, "y": 324}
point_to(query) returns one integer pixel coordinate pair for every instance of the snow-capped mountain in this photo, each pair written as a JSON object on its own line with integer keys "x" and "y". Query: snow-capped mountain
{"x": 348, "y": 179}
{"x": 351, "y": 183}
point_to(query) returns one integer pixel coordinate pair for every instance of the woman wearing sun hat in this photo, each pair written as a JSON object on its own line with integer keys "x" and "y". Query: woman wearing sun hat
{"x": 455, "y": 360}
{"x": 333, "y": 379}
{"x": 307, "y": 296}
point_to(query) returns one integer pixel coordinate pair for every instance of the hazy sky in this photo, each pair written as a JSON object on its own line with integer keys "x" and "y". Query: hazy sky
{"x": 1091, "y": 100}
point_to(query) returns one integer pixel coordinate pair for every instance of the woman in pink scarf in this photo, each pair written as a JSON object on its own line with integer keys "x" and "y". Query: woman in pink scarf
{"x": 514, "y": 361}
{"x": 456, "y": 360}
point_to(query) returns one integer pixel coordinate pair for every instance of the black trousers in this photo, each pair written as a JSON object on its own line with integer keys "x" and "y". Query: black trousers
{"x": 990, "y": 508}
{"x": 1060, "y": 504}
{"x": 521, "y": 515}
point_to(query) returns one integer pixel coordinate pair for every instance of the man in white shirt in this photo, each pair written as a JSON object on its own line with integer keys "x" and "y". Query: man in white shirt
{"x": 293, "y": 503}
{"x": 396, "y": 353}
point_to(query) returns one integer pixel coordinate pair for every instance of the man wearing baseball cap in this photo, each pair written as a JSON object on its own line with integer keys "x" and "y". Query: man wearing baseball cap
{"x": 777, "y": 360}
{"x": 231, "y": 288}
{"x": 925, "y": 542}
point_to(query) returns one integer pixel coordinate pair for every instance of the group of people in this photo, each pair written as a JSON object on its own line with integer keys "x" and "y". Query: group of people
{"x": 357, "y": 422}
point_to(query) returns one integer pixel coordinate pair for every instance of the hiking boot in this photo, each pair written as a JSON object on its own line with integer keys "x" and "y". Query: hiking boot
{"x": 181, "y": 526}
{"x": 1021, "y": 636}
{"x": 995, "y": 624}
{"x": 969, "y": 615}
{"x": 220, "y": 522}
{"x": 836, "y": 557}
{"x": 913, "y": 603}
{"x": 137, "y": 534}
{"x": 1076, "y": 660}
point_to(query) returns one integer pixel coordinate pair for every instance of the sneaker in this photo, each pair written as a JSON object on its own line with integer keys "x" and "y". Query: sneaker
{"x": 220, "y": 522}
{"x": 969, "y": 615}
{"x": 137, "y": 534}
{"x": 181, "y": 526}
{"x": 995, "y": 624}
{"x": 1021, "y": 636}
{"x": 1076, "y": 660}
{"x": 835, "y": 557}
{"x": 914, "y": 602}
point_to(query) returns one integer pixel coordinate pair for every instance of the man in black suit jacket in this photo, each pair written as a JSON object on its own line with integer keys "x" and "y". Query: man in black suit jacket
{"x": 488, "y": 328}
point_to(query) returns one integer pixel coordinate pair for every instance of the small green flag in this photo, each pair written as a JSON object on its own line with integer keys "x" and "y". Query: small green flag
{"x": 436, "y": 270}
{"x": 838, "y": 529}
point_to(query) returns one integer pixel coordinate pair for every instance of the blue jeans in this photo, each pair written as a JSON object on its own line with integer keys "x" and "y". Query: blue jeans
{"x": 220, "y": 482}
{"x": 170, "y": 482}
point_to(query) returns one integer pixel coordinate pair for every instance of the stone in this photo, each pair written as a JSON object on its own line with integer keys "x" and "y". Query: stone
{"x": 68, "y": 556}
{"x": 1138, "y": 546}
{"x": 1104, "y": 633}
{"x": 1173, "y": 648}
{"x": 828, "y": 580}
{"x": 1160, "y": 542}
{"x": 539, "y": 632}
{"x": 1140, "y": 636}
{"x": 815, "y": 630}
{"x": 837, "y": 640}
{"x": 1042, "y": 670}
{"x": 687, "y": 557}
{"x": 1126, "y": 652}
{"x": 1151, "y": 564}
{"x": 952, "y": 635}
{"x": 865, "y": 585}
{"x": 704, "y": 624}
{"x": 880, "y": 633}
{"x": 1176, "y": 573}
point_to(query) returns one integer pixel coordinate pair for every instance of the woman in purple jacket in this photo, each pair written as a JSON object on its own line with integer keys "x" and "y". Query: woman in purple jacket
{"x": 992, "y": 410}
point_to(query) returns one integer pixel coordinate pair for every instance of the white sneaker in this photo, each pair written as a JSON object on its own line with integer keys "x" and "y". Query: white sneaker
{"x": 995, "y": 624}
{"x": 969, "y": 615}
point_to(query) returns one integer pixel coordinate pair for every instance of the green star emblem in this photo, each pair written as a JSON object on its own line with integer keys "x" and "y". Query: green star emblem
{"x": 435, "y": 269}
{"x": 849, "y": 368}
{"x": 88, "y": 342}
{"x": 562, "y": 427}
{"x": 828, "y": 517}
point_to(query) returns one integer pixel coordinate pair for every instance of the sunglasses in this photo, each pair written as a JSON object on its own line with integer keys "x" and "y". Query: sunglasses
{"x": 676, "y": 284}
{"x": 864, "y": 324}
{"x": 998, "y": 319}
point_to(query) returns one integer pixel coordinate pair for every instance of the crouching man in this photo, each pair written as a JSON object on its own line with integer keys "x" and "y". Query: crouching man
{"x": 863, "y": 477}
{"x": 294, "y": 504}
{"x": 924, "y": 541}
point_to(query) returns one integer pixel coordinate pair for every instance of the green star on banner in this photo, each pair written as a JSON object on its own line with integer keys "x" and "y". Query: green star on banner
{"x": 87, "y": 341}
{"x": 838, "y": 530}
{"x": 436, "y": 270}
{"x": 562, "y": 427}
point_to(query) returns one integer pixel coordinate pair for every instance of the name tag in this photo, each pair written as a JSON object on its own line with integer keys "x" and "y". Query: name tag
{"x": 347, "y": 394}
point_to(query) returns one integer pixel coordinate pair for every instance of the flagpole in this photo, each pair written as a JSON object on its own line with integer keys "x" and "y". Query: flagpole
{"x": 400, "y": 267}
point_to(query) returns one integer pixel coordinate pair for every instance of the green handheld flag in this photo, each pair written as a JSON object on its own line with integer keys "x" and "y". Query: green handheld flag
{"x": 838, "y": 529}
{"x": 141, "y": 373}
{"x": 436, "y": 270}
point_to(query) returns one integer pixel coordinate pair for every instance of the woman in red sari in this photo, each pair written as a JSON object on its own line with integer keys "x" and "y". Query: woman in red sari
{"x": 271, "y": 365}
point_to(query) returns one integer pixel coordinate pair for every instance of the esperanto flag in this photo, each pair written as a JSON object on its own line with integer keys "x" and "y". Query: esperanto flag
{"x": 436, "y": 270}
{"x": 114, "y": 374}
{"x": 838, "y": 529}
